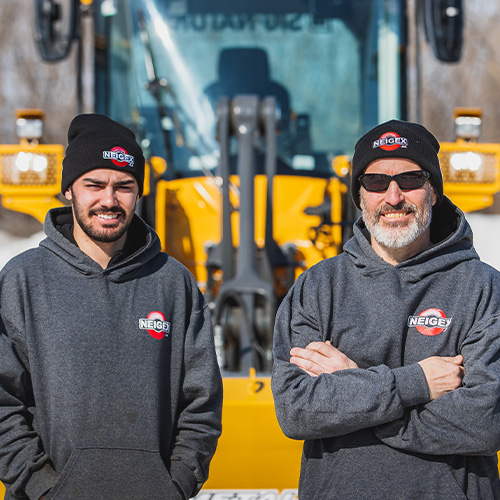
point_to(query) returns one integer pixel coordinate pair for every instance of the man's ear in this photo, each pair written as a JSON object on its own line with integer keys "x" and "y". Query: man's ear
{"x": 433, "y": 195}
{"x": 68, "y": 194}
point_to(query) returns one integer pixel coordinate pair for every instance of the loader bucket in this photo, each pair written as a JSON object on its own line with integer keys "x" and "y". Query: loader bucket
{"x": 253, "y": 453}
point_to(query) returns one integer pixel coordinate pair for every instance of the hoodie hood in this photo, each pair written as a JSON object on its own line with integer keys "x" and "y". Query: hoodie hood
{"x": 143, "y": 244}
{"x": 451, "y": 237}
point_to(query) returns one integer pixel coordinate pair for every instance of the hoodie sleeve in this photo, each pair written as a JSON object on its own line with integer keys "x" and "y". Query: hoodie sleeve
{"x": 25, "y": 469}
{"x": 465, "y": 421}
{"x": 341, "y": 402}
{"x": 199, "y": 421}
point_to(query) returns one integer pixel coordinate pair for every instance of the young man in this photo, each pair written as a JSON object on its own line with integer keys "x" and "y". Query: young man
{"x": 109, "y": 385}
{"x": 387, "y": 357}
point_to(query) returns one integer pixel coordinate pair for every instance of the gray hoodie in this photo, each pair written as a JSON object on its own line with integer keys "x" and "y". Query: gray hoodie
{"x": 109, "y": 385}
{"x": 373, "y": 433}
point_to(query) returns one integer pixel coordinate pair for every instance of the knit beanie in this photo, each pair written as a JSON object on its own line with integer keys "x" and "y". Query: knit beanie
{"x": 397, "y": 139}
{"x": 96, "y": 141}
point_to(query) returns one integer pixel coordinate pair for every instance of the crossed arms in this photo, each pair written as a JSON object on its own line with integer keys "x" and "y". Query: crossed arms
{"x": 442, "y": 374}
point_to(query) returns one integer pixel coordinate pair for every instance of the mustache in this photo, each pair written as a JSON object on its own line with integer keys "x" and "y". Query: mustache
{"x": 105, "y": 210}
{"x": 403, "y": 206}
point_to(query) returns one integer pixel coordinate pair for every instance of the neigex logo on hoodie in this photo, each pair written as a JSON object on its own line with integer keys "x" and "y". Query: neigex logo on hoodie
{"x": 430, "y": 322}
{"x": 156, "y": 325}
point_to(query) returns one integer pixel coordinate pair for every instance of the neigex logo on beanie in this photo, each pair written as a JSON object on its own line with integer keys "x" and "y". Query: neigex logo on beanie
{"x": 97, "y": 141}
{"x": 119, "y": 157}
{"x": 397, "y": 139}
{"x": 390, "y": 141}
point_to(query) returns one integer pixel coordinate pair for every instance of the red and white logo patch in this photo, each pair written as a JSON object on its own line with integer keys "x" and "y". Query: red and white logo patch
{"x": 156, "y": 325}
{"x": 119, "y": 157}
{"x": 430, "y": 322}
{"x": 390, "y": 141}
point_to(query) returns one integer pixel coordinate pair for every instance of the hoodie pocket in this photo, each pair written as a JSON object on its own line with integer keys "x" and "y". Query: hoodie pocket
{"x": 114, "y": 474}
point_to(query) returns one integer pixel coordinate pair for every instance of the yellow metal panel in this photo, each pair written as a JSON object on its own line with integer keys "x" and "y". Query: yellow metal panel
{"x": 337, "y": 191}
{"x": 36, "y": 206}
{"x": 252, "y": 452}
{"x": 187, "y": 218}
{"x": 471, "y": 173}
{"x": 30, "y": 177}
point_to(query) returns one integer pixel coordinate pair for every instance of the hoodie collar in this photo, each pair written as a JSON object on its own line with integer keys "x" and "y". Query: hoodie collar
{"x": 142, "y": 245}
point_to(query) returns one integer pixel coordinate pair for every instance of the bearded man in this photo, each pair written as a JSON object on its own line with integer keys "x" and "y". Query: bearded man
{"x": 387, "y": 357}
{"x": 109, "y": 383}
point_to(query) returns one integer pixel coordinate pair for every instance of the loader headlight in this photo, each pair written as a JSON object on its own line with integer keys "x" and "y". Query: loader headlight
{"x": 473, "y": 164}
{"x": 468, "y": 123}
{"x": 24, "y": 169}
{"x": 468, "y": 167}
{"x": 472, "y": 167}
{"x": 466, "y": 162}
{"x": 29, "y": 168}
{"x": 30, "y": 129}
{"x": 30, "y": 161}
{"x": 468, "y": 127}
{"x": 29, "y": 125}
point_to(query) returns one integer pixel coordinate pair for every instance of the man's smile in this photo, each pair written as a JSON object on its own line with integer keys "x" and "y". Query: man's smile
{"x": 108, "y": 216}
{"x": 396, "y": 215}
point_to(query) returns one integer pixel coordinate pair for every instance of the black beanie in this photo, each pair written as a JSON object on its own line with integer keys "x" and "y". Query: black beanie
{"x": 96, "y": 141}
{"x": 397, "y": 139}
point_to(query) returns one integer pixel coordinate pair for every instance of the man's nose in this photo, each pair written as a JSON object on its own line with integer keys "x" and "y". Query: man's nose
{"x": 394, "y": 195}
{"x": 109, "y": 197}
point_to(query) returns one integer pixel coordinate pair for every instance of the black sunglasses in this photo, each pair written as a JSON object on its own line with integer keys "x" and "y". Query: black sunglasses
{"x": 406, "y": 181}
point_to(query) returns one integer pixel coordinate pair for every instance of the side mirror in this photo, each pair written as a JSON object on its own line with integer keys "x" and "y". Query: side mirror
{"x": 55, "y": 23}
{"x": 443, "y": 24}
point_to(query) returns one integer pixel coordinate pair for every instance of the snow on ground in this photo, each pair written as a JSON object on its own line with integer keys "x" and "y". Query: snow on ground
{"x": 486, "y": 228}
{"x": 12, "y": 245}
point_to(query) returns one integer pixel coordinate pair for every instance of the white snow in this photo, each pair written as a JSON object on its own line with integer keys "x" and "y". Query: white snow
{"x": 10, "y": 245}
{"x": 486, "y": 229}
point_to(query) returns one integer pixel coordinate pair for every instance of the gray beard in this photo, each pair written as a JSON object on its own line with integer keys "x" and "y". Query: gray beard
{"x": 401, "y": 235}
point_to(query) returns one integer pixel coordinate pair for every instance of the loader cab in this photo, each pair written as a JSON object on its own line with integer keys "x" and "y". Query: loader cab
{"x": 336, "y": 68}
{"x": 245, "y": 70}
